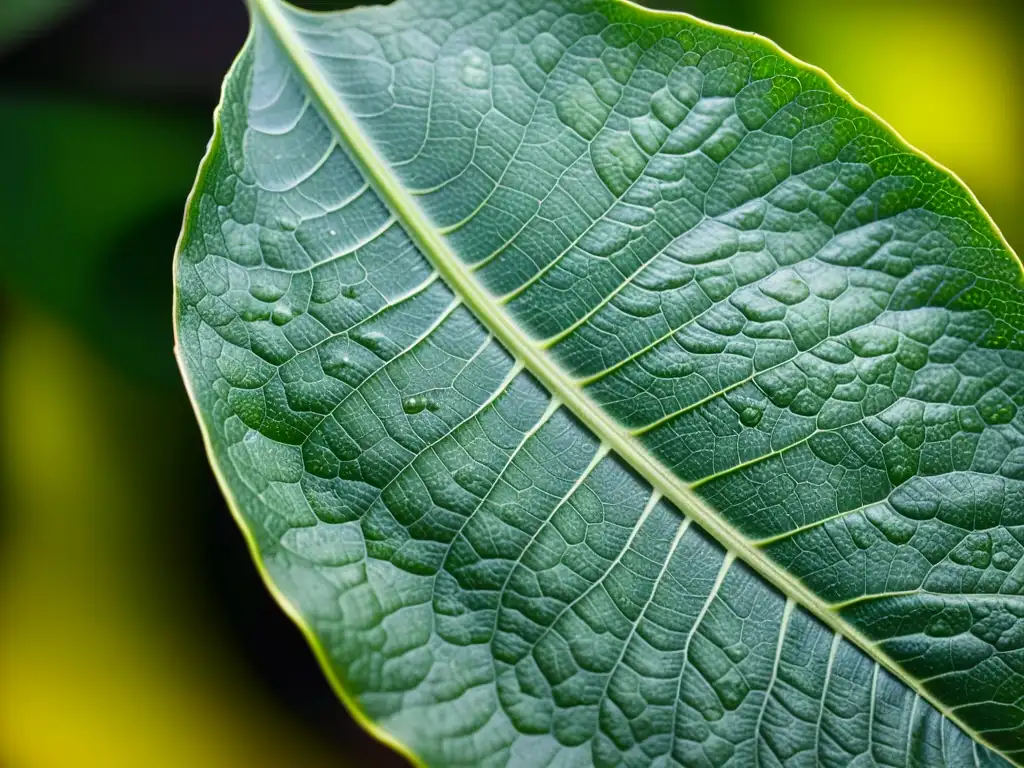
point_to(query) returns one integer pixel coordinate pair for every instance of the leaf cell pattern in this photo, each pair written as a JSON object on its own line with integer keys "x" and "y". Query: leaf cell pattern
{"x": 812, "y": 327}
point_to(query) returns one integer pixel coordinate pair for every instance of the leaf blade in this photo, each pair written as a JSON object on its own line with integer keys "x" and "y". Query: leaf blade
{"x": 607, "y": 429}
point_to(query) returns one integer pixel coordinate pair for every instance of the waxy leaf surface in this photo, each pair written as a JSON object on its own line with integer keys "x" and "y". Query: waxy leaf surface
{"x": 599, "y": 386}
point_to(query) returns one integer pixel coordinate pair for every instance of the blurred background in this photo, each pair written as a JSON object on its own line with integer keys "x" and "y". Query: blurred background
{"x": 134, "y": 630}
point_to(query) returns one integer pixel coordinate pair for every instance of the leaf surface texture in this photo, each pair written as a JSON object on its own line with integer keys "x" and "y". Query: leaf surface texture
{"x": 599, "y": 386}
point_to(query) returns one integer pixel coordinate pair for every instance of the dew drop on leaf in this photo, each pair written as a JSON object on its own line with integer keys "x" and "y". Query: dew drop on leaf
{"x": 418, "y": 403}
{"x": 736, "y": 653}
{"x": 751, "y": 416}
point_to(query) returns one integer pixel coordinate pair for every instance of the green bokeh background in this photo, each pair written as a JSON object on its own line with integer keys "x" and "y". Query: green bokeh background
{"x": 133, "y": 629}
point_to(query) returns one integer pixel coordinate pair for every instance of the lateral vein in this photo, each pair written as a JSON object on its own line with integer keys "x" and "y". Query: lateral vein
{"x": 460, "y": 278}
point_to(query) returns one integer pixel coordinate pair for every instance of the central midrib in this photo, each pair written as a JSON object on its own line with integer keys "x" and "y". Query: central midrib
{"x": 483, "y": 304}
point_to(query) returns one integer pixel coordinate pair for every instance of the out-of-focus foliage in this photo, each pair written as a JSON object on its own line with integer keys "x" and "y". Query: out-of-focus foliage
{"x": 92, "y": 192}
{"x": 105, "y": 661}
{"x": 21, "y": 18}
{"x": 114, "y": 648}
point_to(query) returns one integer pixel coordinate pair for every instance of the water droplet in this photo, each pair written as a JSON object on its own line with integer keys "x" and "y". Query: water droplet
{"x": 751, "y": 416}
{"x": 418, "y": 403}
{"x": 332, "y": 232}
{"x": 282, "y": 314}
{"x": 736, "y": 653}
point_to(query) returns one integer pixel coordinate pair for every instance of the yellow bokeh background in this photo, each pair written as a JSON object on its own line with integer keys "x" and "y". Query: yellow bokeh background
{"x": 103, "y": 661}
{"x": 945, "y": 75}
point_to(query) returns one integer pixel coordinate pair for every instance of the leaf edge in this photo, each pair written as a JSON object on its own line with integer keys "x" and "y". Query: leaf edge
{"x": 716, "y": 527}
{"x": 350, "y": 703}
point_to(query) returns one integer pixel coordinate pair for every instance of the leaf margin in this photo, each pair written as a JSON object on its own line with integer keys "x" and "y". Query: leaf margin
{"x": 350, "y": 703}
{"x": 428, "y": 238}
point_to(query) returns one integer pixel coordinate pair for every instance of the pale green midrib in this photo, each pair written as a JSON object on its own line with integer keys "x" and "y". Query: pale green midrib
{"x": 464, "y": 284}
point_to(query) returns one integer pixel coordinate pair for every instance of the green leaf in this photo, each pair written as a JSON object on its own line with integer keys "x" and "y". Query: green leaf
{"x": 602, "y": 386}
